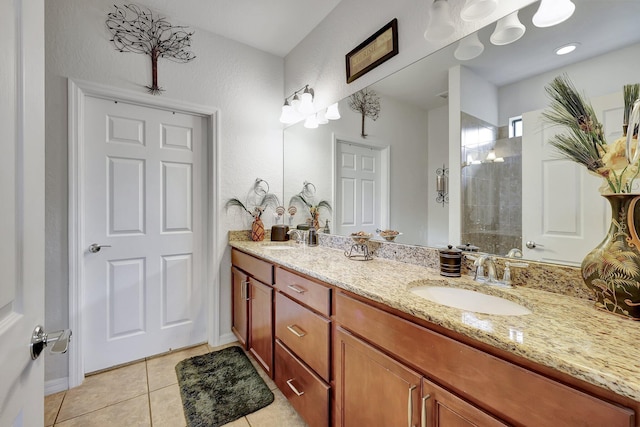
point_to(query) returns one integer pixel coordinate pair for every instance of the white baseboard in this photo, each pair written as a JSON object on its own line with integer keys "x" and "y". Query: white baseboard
{"x": 227, "y": 338}
{"x": 55, "y": 386}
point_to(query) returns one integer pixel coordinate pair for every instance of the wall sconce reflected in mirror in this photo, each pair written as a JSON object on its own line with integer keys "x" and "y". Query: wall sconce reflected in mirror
{"x": 442, "y": 185}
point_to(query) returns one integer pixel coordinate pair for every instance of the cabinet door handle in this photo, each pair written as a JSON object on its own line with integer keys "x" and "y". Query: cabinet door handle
{"x": 423, "y": 422}
{"x": 297, "y": 289}
{"x": 292, "y": 329}
{"x": 246, "y": 290}
{"x": 294, "y": 389}
{"x": 410, "y": 405}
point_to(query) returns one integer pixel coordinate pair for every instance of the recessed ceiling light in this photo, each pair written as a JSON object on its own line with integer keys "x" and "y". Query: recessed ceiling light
{"x": 567, "y": 48}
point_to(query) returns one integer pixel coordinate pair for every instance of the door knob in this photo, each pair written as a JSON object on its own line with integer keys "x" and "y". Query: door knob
{"x": 532, "y": 245}
{"x": 94, "y": 247}
{"x": 40, "y": 339}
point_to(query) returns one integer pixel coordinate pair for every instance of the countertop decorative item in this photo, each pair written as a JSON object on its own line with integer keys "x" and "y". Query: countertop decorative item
{"x": 266, "y": 199}
{"x": 388, "y": 235}
{"x": 135, "y": 29}
{"x": 612, "y": 270}
{"x": 306, "y": 198}
{"x": 359, "y": 250}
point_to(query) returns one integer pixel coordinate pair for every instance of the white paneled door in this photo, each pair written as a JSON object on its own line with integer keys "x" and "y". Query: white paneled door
{"x": 22, "y": 210}
{"x": 358, "y": 188}
{"x": 563, "y": 215}
{"x": 144, "y": 237}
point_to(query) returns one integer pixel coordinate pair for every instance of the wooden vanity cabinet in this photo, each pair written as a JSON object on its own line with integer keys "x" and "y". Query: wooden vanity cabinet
{"x": 240, "y": 305}
{"x": 252, "y": 307}
{"x": 441, "y": 408}
{"x": 470, "y": 383}
{"x": 303, "y": 345}
{"x": 373, "y": 389}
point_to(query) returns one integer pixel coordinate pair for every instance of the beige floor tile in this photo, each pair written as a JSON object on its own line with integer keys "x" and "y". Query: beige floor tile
{"x": 104, "y": 389}
{"x": 166, "y": 407}
{"x": 280, "y": 413}
{"x": 52, "y": 405}
{"x": 265, "y": 377}
{"x": 240, "y": 422}
{"x": 130, "y": 413}
{"x": 220, "y": 347}
{"x": 162, "y": 369}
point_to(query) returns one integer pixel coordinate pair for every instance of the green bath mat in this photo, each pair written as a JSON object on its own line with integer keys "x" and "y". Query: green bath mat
{"x": 220, "y": 387}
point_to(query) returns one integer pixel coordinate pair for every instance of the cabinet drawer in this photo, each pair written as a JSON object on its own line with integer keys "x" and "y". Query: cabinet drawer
{"x": 497, "y": 386}
{"x": 257, "y": 268}
{"x": 308, "y": 394}
{"x": 304, "y": 290}
{"x": 305, "y": 333}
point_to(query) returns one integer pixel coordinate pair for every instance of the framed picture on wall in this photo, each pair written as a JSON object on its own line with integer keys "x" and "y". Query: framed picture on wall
{"x": 375, "y": 50}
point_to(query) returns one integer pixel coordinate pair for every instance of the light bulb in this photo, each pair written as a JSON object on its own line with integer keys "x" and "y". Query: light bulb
{"x": 474, "y": 10}
{"x": 288, "y": 115}
{"x": 321, "y": 117}
{"x": 440, "y": 24}
{"x": 306, "y": 103}
{"x": 508, "y": 30}
{"x": 552, "y": 13}
{"x": 332, "y": 112}
{"x": 311, "y": 122}
{"x": 470, "y": 47}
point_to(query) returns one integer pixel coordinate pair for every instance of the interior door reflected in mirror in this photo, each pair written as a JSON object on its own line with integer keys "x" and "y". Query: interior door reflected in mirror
{"x": 441, "y": 111}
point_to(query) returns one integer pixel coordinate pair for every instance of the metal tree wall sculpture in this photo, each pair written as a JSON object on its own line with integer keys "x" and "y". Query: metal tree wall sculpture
{"x": 367, "y": 103}
{"x": 137, "y": 30}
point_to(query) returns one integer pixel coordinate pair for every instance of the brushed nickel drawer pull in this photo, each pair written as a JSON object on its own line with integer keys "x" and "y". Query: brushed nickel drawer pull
{"x": 297, "y": 289}
{"x": 295, "y": 390}
{"x": 292, "y": 329}
{"x": 410, "y": 405}
{"x": 423, "y": 422}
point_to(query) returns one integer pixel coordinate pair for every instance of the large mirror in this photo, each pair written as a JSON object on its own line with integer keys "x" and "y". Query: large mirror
{"x": 439, "y": 106}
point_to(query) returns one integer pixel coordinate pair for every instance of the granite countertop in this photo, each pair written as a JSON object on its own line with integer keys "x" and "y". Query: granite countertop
{"x": 564, "y": 333}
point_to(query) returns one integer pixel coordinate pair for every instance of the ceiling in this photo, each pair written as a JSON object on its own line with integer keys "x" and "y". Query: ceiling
{"x": 598, "y": 25}
{"x": 274, "y": 26}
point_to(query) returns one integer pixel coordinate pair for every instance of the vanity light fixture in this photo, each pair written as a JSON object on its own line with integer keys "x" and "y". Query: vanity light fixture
{"x": 440, "y": 24}
{"x": 474, "y": 10}
{"x": 553, "y": 12}
{"x": 567, "y": 48}
{"x": 301, "y": 105}
{"x": 469, "y": 47}
{"x": 491, "y": 156}
{"x": 508, "y": 30}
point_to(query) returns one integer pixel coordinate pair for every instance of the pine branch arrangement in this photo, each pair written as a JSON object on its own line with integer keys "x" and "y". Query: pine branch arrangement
{"x": 585, "y": 142}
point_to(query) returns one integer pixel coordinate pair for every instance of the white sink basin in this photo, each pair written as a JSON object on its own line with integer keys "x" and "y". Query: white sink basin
{"x": 465, "y": 299}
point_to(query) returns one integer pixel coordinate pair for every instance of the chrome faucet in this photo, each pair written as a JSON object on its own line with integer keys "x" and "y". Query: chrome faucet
{"x": 487, "y": 262}
{"x": 514, "y": 253}
{"x": 298, "y": 235}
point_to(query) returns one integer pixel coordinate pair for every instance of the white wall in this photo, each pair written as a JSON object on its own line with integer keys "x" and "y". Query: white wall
{"x": 319, "y": 60}
{"x": 438, "y": 154}
{"x": 479, "y": 97}
{"x": 244, "y": 84}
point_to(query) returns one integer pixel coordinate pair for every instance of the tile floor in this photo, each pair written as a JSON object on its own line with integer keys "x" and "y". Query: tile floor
{"x": 146, "y": 394}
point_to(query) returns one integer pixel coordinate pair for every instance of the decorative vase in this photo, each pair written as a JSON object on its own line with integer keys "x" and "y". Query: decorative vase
{"x": 257, "y": 230}
{"x": 316, "y": 221}
{"x": 612, "y": 270}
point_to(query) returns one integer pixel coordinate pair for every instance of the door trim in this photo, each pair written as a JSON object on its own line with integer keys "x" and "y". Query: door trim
{"x": 77, "y": 91}
{"x": 385, "y": 163}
